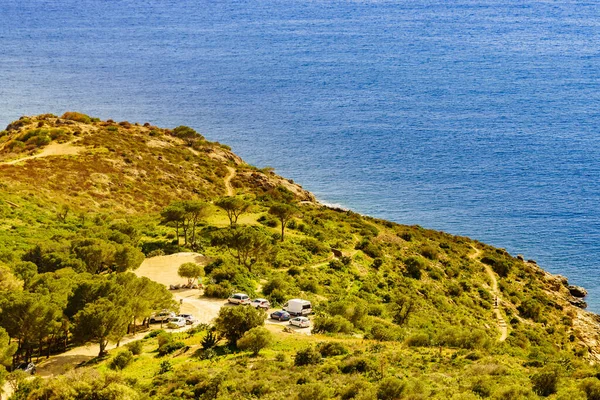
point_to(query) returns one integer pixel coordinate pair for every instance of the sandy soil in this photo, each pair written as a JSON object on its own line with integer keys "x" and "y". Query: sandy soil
{"x": 53, "y": 149}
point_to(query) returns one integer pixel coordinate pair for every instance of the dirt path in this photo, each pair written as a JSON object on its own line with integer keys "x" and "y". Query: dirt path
{"x": 228, "y": 188}
{"x": 502, "y": 325}
{"x": 53, "y": 149}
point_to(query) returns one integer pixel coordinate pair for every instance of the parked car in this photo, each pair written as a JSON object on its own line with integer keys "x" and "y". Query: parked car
{"x": 177, "y": 322}
{"x": 27, "y": 367}
{"x": 163, "y": 316}
{"x": 239, "y": 298}
{"x": 298, "y": 307}
{"x": 189, "y": 318}
{"x": 260, "y": 303}
{"x": 281, "y": 315}
{"x": 300, "y": 322}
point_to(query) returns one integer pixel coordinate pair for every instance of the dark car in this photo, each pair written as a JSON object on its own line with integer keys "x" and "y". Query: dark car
{"x": 281, "y": 315}
{"x": 27, "y": 367}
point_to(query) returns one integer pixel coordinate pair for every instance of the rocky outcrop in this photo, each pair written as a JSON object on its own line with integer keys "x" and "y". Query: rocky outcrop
{"x": 578, "y": 302}
{"x": 577, "y": 291}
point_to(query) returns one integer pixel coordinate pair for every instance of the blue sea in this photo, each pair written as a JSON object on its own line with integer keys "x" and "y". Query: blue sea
{"x": 480, "y": 118}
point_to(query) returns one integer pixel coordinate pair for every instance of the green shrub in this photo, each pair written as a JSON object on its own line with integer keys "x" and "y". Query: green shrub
{"x": 76, "y": 116}
{"x": 307, "y": 356}
{"x": 591, "y": 387}
{"x": 154, "y": 333}
{"x": 135, "y": 347}
{"x": 210, "y": 340}
{"x": 482, "y": 387}
{"x": 335, "y": 324}
{"x": 218, "y": 290}
{"x": 170, "y": 347}
{"x": 390, "y": 388}
{"x": 255, "y": 340}
{"x": 383, "y": 333}
{"x": 121, "y": 360}
{"x": 419, "y": 339}
{"x": 414, "y": 267}
{"x": 355, "y": 364}
{"x": 313, "y": 245}
{"x": 545, "y": 382}
{"x": 331, "y": 349}
{"x": 314, "y": 391}
{"x": 531, "y": 309}
{"x": 429, "y": 251}
{"x": 165, "y": 366}
{"x": 164, "y": 338}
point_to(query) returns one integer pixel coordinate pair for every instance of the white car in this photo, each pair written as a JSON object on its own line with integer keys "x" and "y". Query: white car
{"x": 189, "y": 318}
{"x": 162, "y": 317}
{"x": 261, "y": 303}
{"x": 179, "y": 322}
{"x": 300, "y": 322}
{"x": 239, "y": 298}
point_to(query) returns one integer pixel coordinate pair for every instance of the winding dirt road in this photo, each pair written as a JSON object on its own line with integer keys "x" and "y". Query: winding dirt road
{"x": 228, "y": 188}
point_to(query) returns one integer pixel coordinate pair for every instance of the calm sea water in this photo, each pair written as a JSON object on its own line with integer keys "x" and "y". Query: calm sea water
{"x": 479, "y": 118}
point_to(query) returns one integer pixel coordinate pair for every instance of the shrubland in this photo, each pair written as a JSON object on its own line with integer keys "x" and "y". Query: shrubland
{"x": 400, "y": 311}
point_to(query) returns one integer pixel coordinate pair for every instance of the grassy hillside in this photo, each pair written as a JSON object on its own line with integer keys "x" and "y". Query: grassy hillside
{"x": 413, "y": 313}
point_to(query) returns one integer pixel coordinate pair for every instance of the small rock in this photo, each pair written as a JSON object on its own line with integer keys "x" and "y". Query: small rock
{"x": 577, "y": 291}
{"x": 532, "y": 262}
{"x": 578, "y": 303}
{"x": 562, "y": 279}
{"x": 520, "y": 257}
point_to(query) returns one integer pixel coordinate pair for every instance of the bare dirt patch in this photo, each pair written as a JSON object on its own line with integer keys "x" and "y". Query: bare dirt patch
{"x": 53, "y": 149}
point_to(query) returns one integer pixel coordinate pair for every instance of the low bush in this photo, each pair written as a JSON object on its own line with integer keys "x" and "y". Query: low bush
{"x": 255, "y": 340}
{"x": 121, "y": 360}
{"x": 591, "y": 388}
{"x": 77, "y": 116}
{"x": 391, "y": 388}
{"x": 331, "y": 349}
{"x": 545, "y": 382}
{"x": 154, "y": 333}
{"x": 335, "y": 324}
{"x": 218, "y": 290}
{"x": 358, "y": 364}
{"x": 419, "y": 339}
{"x": 135, "y": 347}
{"x": 170, "y": 347}
{"x": 307, "y": 356}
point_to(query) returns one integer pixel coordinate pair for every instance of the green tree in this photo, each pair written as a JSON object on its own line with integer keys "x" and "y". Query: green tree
{"x": 191, "y": 271}
{"x": 97, "y": 254}
{"x": 100, "y": 322}
{"x": 28, "y": 318}
{"x": 143, "y": 297}
{"x": 233, "y": 322}
{"x": 284, "y": 212}
{"x": 255, "y": 340}
{"x": 127, "y": 257}
{"x": 26, "y": 271}
{"x": 234, "y": 207}
{"x": 173, "y": 214}
{"x": 247, "y": 244}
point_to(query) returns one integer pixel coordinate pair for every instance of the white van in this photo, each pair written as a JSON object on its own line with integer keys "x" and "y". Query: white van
{"x": 298, "y": 307}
